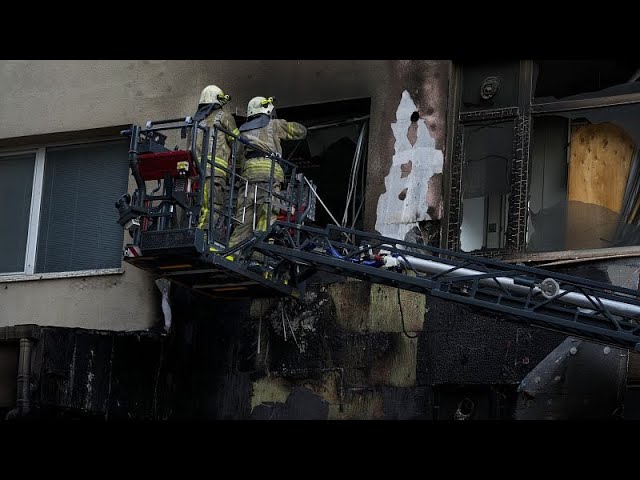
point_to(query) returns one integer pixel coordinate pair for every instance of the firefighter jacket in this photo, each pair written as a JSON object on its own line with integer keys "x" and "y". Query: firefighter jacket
{"x": 266, "y": 133}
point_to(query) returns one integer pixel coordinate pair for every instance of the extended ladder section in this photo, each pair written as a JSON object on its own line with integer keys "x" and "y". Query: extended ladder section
{"x": 553, "y": 301}
{"x": 169, "y": 239}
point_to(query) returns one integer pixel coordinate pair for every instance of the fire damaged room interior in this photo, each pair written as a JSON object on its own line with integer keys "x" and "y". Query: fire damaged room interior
{"x": 452, "y": 240}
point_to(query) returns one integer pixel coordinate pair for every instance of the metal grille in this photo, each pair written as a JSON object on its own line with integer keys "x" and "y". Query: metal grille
{"x": 494, "y": 115}
{"x": 453, "y": 234}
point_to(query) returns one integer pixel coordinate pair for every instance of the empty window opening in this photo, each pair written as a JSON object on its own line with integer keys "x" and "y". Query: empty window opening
{"x": 584, "y": 189}
{"x": 486, "y": 185}
{"x": 333, "y": 156}
{"x": 581, "y": 150}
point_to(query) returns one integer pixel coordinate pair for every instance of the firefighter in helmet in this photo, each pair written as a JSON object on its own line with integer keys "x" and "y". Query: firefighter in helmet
{"x": 210, "y": 113}
{"x": 262, "y": 129}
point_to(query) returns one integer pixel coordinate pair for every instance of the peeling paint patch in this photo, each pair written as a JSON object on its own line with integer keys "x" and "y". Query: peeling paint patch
{"x": 403, "y": 194}
{"x": 395, "y": 216}
{"x": 412, "y": 133}
{"x": 269, "y": 390}
{"x": 405, "y": 169}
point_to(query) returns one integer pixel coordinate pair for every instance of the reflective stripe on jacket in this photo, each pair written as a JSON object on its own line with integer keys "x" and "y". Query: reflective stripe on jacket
{"x": 268, "y": 138}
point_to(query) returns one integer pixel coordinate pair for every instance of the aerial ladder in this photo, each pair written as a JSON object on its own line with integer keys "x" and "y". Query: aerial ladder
{"x": 165, "y": 240}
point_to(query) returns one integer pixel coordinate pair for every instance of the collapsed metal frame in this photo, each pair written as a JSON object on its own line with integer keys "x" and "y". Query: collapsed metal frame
{"x": 553, "y": 301}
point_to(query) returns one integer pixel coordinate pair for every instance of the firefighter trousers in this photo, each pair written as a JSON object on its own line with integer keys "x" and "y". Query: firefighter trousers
{"x": 219, "y": 202}
{"x": 256, "y": 203}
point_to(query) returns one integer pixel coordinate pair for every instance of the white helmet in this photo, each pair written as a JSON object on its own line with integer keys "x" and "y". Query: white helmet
{"x": 213, "y": 94}
{"x": 260, "y": 105}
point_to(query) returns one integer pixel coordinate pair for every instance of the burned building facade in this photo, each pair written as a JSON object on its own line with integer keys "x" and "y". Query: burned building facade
{"x": 529, "y": 162}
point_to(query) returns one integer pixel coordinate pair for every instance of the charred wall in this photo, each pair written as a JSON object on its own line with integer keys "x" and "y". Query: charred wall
{"x": 82, "y": 373}
{"x": 344, "y": 351}
{"x": 289, "y": 359}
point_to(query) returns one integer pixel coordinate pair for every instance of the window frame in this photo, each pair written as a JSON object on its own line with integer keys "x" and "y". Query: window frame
{"x": 507, "y": 115}
{"x": 526, "y": 111}
{"x": 40, "y": 149}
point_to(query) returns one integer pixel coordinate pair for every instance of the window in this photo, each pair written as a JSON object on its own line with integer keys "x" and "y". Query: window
{"x": 545, "y": 157}
{"x": 583, "y": 190}
{"x": 584, "y": 164}
{"x": 486, "y": 185}
{"x": 16, "y": 186}
{"x": 57, "y": 207}
{"x": 333, "y": 156}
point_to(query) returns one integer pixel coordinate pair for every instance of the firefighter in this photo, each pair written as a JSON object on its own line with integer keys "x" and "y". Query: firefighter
{"x": 211, "y": 112}
{"x": 265, "y": 131}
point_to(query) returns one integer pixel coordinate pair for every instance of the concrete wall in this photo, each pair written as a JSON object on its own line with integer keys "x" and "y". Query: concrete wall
{"x": 129, "y": 301}
{"x": 39, "y": 98}
{"x": 405, "y": 177}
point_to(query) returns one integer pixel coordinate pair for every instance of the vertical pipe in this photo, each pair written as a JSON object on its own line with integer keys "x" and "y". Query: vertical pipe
{"x": 24, "y": 377}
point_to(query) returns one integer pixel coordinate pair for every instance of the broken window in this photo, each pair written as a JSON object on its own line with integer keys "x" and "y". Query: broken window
{"x": 333, "y": 156}
{"x": 584, "y": 179}
{"x": 488, "y": 154}
{"x": 577, "y": 149}
{"x": 57, "y": 207}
